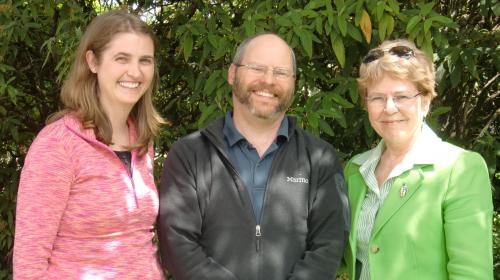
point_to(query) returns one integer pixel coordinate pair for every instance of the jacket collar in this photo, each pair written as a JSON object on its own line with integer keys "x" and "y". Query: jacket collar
{"x": 423, "y": 152}
{"x": 73, "y": 123}
{"x": 213, "y": 131}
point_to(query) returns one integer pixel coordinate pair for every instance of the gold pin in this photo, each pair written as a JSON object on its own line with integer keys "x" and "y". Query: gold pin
{"x": 403, "y": 191}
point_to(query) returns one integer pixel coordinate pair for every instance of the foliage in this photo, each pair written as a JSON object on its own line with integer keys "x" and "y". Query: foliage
{"x": 197, "y": 40}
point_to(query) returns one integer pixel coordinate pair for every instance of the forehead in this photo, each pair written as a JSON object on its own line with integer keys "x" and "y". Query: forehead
{"x": 268, "y": 50}
{"x": 389, "y": 85}
{"x": 131, "y": 42}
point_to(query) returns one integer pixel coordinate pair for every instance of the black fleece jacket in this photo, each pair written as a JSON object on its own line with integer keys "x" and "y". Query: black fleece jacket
{"x": 207, "y": 228}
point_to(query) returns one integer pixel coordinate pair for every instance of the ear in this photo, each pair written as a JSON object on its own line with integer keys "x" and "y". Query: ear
{"x": 426, "y": 104}
{"x": 231, "y": 73}
{"x": 91, "y": 61}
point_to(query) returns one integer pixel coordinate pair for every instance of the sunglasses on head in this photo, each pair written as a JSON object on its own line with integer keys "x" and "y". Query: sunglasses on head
{"x": 399, "y": 51}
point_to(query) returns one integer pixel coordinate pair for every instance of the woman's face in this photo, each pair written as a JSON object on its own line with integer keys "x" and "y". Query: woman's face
{"x": 396, "y": 110}
{"x": 124, "y": 71}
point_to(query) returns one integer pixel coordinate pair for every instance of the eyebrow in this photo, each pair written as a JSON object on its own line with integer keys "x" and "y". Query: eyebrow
{"x": 394, "y": 92}
{"x": 129, "y": 55}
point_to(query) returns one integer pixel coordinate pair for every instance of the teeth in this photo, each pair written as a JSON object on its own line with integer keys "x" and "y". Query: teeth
{"x": 129, "y": 84}
{"x": 263, "y": 93}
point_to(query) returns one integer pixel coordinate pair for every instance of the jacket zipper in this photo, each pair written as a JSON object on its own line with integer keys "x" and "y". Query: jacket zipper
{"x": 258, "y": 235}
{"x": 110, "y": 150}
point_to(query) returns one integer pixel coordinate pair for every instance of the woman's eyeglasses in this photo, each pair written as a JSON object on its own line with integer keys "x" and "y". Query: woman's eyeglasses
{"x": 399, "y": 100}
{"x": 399, "y": 51}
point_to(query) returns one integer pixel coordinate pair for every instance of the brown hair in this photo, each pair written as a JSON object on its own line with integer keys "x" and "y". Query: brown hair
{"x": 79, "y": 91}
{"x": 418, "y": 69}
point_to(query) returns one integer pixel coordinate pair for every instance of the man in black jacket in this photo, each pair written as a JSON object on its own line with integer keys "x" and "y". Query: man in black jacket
{"x": 252, "y": 195}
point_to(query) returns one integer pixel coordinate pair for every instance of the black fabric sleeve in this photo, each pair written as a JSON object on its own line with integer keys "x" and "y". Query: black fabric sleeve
{"x": 180, "y": 221}
{"x": 328, "y": 222}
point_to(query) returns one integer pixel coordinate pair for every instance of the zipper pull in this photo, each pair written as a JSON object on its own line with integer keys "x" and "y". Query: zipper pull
{"x": 258, "y": 234}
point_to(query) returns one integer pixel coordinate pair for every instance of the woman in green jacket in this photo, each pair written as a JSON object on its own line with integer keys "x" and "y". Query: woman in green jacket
{"x": 421, "y": 207}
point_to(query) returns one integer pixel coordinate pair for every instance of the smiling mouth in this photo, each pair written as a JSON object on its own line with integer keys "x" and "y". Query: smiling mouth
{"x": 264, "y": 94}
{"x": 131, "y": 85}
{"x": 394, "y": 121}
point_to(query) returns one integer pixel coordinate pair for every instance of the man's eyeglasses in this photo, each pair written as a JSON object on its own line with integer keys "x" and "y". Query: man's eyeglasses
{"x": 400, "y": 100}
{"x": 399, "y": 51}
{"x": 261, "y": 70}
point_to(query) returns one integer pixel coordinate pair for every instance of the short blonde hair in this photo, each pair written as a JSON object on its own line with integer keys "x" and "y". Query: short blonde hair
{"x": 418, "y": 69}
{"x": 79, "y": 91}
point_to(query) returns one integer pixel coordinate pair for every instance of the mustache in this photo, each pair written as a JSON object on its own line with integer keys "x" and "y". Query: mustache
{"x": 265, "y": 88}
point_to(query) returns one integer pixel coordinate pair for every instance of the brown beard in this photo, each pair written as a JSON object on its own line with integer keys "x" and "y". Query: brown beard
{"x": 244, "y": 97}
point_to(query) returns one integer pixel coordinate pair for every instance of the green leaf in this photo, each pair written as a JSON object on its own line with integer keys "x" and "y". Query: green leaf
{"x": 338, "y": 49}
{"x": 353, "y": 91}
{"x": 382, "y": 28}
{"x": 187, "y": 46}
{"x": 306, "y": 40}
{"x": 325, "y": 127}
{"x": 342, "y": 101}
{"x": 314, "y": 4}
{"x": 425, "y": 9}
{"x": 340, "y": 118}
{"x": 205, "y": 114}
{"x": 296, "y": 18}
{"x": 455, "y": 76}
{"x": 339, "y": 4}
{"x": 318, "y": 24}
{"x": 313, "y": 119}
{"x": 222, "y": 48}
{"x": 427, "y": 25}
{"x": 469, "y": 62}
{"x": 354, "y": 32}
{"x": 390, "y": 24}
{"x": 379, "y": 12}
{"x": 249, "y": 27}
{"x": 212, "y": 38}
{"x": 427, "y": 45}
{"x": 412, "y": 23}
{"x": 211, "y": 83}
{"x": 342, "y": 24}
{"x": 329, "y": 13}
{"x": 283, "y": 21}
{"x": 440, "y": 110}
{"x": 442, "y": 19}
{"x": 368, "y": 127}
{"x": 413, "y": 34}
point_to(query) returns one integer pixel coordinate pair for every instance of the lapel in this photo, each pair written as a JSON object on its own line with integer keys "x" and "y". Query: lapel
{"x": 403, "y": 188}
{"x": 357, "y": 190}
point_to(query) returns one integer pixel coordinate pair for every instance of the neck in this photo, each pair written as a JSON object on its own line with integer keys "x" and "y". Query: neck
{"x": 118, "y": 118}
{"x": 258, "y": 131}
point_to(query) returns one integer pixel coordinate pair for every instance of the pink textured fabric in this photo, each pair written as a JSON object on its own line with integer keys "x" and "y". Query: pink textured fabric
{"x": 80, "y": 214}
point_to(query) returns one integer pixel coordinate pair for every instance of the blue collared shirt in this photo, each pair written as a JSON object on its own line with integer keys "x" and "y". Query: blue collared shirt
{"x": 252, "y": 169}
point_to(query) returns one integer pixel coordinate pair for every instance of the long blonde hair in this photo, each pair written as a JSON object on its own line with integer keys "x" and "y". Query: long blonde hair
{"x": 79, "y": 93}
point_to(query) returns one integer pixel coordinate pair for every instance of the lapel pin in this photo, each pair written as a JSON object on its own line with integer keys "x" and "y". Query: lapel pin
{"x": 403, "y": 191}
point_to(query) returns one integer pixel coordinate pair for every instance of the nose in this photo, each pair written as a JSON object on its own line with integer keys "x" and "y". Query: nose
{"x": 134, "y": 70}
{"x": 390, "y": 106}
{"x": 268, "y": 77}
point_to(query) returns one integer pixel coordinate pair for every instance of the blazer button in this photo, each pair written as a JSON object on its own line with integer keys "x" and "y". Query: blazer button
{"x": 375, "y": 249}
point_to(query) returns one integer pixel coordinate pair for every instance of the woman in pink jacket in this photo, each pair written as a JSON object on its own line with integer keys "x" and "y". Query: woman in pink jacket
{"x": 87, "y": 201}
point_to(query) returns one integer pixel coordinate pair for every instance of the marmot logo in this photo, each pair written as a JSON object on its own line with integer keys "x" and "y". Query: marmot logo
{"x": 297, "y": 180}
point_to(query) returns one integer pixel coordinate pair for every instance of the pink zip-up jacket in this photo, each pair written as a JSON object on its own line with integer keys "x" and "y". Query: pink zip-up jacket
{"x": 80, "y": 213}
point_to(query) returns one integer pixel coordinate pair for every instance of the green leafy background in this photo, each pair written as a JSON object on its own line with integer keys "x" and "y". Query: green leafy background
{"x": 198, "y": 38}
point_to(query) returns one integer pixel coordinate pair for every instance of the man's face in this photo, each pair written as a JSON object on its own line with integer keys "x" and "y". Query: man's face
{"x": 263, "y": 83}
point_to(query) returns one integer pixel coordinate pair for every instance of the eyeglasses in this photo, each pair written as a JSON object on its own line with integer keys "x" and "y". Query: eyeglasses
{"x": 261, "y": 70}
{"x": 399, "y": 51}
{"x": 400, "y": 100}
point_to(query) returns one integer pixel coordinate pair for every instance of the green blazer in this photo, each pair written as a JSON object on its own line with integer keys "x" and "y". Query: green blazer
{"x": 440, "y": 228}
